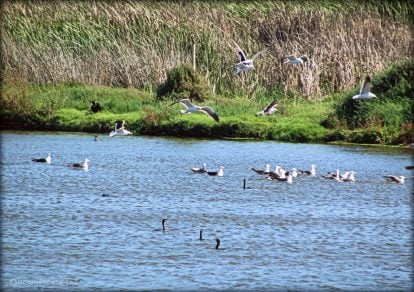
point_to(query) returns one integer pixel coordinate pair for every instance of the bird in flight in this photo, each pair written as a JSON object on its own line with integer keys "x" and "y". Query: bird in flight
{"x": 269, "y": 109}
{"x": 245, "y": 64}
{"x": 191, "y": 108}
{"x": 120, "y": 129}
{"x": 296, "y": 60}
{"x": 365, "y": 93}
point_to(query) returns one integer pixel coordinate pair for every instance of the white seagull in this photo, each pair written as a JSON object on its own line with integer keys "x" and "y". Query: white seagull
{"x": 245, "y": 64}
{"x": 296, "y": 60}
{"x": 48, "y": 159}
{"x": 394, "y": 178}
{"x": 365, "y": 93}
{"x": 311, "y": 172}
{"x": 84, "y": 165}
{"x": 120, "y": 129}
{"x": 199, "y": 169}
{"x": 217, "y": 173}
{"x": 349, "y": 176}
{"x": 285, "y": 178}
{"x": 269, "y": 109}
{"x": 191, "y": 108}
{"x": 261, "y": 171}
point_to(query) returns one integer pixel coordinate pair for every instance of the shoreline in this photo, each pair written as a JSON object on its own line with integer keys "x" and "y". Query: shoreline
{"x": 237, "y": 139}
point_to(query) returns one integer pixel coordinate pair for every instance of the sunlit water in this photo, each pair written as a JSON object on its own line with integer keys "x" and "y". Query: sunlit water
{"x": 58, "y": 231}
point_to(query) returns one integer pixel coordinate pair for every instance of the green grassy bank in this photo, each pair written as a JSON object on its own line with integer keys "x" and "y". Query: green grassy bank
{"x": 385, "y": 120}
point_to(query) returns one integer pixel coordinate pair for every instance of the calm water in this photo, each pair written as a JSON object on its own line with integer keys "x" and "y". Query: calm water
{"x": 58, "y": 231}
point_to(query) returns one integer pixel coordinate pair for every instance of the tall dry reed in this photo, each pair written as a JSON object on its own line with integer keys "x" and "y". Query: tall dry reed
{"x": 134, "y": 43}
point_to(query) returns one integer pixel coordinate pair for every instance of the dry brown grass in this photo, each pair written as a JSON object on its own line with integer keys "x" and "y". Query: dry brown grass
{"x": 135, "y": 43}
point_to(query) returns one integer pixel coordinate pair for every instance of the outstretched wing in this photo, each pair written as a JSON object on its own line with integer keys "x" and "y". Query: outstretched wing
{"x": 208, "y": 110}
{"x": 119, "y": 124}
{"x": 186, "y": 102}
{"x": 291, "y": 57}
{"x": 366, "y": 86}
{"x": 257, "y": 54}
{"x": 270, "y": 106}
{"x": 240, "y": 51}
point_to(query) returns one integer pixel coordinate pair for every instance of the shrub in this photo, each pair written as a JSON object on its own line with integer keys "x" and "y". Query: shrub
{"x": 393, "y": 106}
{"x": 184, "y": 82}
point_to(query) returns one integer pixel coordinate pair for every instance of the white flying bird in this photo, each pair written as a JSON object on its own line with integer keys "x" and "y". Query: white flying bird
{"x": 269, "y": 109}
{"x": 119, "y": 129}
{"x": 365, "y": 93}
{"x": 245, "y": 64}
{"x": 296, "y": 60}
{"x": 191, "y": 108}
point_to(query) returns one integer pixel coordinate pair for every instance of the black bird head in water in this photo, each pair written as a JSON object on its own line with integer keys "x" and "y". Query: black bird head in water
{"x": 218, "y": 243}
{"x": 201, "y": 234}
{"x": 163, "y": 224}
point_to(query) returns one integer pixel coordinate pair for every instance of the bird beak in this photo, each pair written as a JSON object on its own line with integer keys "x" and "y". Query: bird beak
{"x": 175, "y": 102}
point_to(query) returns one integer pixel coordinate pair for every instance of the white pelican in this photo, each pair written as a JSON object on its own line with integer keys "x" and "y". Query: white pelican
{"x": 394, "y": 178}
{"x": 191, "y": 108}
{"x": 120, "y": 129}
{"x": 365, "y": 93}
{"x": 84, "y": 165}
{"x": 217, "y": 173}
{"x": 48, "y": 159}
{"x": 199, "y": 169}
{"x": 296, "y": 60}
{"x": 269, "y": 109}
{"x": 245, "y": 64}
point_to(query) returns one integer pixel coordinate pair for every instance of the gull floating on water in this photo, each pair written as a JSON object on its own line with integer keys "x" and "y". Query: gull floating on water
{"x": 296, "y": 60}
{"x": 84, "y": 165}
{"x": 191, "y": 108}
{"x": 394, "y": 178}
{"x": 365, "y": 93}
{"x": 245, "y": 64}
{"x": 120, "y": 129}
{"x": 269, "y": 109}
{"x": 199, "y": 169}
{"x": 349, "y": 176}
{"x": 48, "y": 159}
{"x": 311, "y": 172}
{"x": 283, "y": 177}
{"x": 217, "y": 173}
{"x": 261, "y": 171}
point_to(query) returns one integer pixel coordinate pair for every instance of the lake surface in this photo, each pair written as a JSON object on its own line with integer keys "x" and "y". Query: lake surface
{"x": 59, "y": 232}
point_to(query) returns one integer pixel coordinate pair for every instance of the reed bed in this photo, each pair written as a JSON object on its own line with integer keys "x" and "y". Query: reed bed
{"x": 135, "y": 43}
